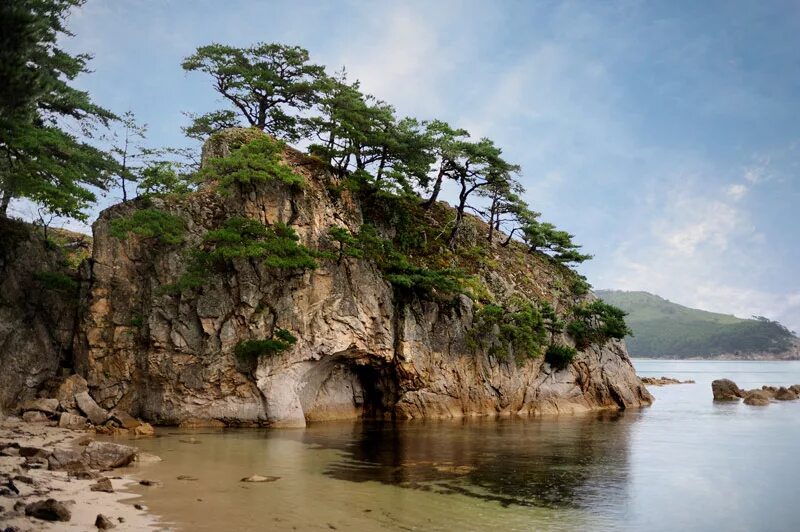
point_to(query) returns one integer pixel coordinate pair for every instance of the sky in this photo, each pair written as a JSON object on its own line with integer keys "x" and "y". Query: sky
{"x": 664, "y": 135}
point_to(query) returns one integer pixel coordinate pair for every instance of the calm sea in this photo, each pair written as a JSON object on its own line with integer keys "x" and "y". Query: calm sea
{"x": 683, "y": 464}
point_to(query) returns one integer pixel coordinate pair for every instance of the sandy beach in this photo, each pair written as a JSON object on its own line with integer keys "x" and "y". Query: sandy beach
{"x": 29, "y": 472}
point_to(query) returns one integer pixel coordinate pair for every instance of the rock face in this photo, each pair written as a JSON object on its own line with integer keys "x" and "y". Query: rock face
{"x": 725, "y": 390}
{"x": 360, "y": 350}
{"x": 36, "y": 322}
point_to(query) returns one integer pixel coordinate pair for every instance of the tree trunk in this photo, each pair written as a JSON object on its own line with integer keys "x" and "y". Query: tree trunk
{"x": 437, "y": 187}
{"x": 462, "y": 203}
{"x": 492, "y": 214}
{"x": 4, "y": 203}
{"x": 381, "y": 165}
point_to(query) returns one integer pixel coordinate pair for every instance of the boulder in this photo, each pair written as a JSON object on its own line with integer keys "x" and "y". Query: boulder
{"x": 65, "y": 459}
{"x": 103, "y": 523}
{"x": 757, "y": 398}
{"x": 104, "y": 484}
{"x": 34, "y": 416}
{"x": 145, "y": 429}
{"x": 68, "y": 389}
{"x": 725, "y": 390}
{"x": 795, "y": 388}
{"x": 72, "y": 421}
{"x": 785, "y": 394}
{"x": 48, "y": 510}
{"x": 87, "y": 405}
{"x": 124, "y": 419}
{"x": 48, "y": 406}
{"x": 107, "y": 455}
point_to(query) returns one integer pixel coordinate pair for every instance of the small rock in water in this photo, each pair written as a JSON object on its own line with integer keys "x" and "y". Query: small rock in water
{"x": 185, "y": 477}
{"x": 260, "y": 478}
{"x": 190, "y": 440}
{"x": 725, "y": 390}
{"x": 138, "y": 506}
{"x": 103, "y": 523}
{"x": 49, "y": 510}
{"x": 149, "y": 482}
{"x": 757, "y": 398}
{"x": 103, "y": 484}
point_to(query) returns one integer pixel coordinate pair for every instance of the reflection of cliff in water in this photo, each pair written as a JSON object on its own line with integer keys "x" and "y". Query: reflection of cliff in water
{"x": 578, "y": 462}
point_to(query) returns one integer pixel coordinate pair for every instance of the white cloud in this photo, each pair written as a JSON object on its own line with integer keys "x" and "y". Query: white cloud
{"x": 736, "y": 191}
{"x": 703, "y": 252}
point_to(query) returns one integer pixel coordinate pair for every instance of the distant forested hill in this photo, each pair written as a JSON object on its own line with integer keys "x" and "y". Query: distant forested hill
{"x": 665, "y": 329}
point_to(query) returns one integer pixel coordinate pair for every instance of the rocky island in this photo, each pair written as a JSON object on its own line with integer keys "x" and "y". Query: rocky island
{"x": 256, "y": 285}
{"x": 361, "y": 343}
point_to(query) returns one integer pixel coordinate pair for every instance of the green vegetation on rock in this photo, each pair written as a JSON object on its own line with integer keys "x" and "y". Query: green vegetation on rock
{"x": 560, "y": 356}
{"x": 665, "y": 329}
{"x": 595, "y": 323}
{"x": 57, "y": 281}
{"x": 280, "y": 341}
{"x": 255, "y": 161}
{"x": 150, "y": 223}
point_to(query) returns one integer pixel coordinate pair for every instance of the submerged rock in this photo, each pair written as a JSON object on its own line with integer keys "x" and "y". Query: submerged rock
{"x": 48, "y": 510}
{"x": 260, "y": 478}
{"x": 725, "y": 390}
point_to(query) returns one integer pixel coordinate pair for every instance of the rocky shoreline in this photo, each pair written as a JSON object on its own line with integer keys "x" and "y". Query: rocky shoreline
{"x": 55, "y": 478}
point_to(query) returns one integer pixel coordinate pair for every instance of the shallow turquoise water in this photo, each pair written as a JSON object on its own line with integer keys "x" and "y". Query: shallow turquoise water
{"x": 684, "y": 464}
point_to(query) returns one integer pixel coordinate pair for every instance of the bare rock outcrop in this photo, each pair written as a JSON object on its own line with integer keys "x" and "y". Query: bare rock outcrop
{"x": 726, "y": 390}
{"x": 361, "y": 349}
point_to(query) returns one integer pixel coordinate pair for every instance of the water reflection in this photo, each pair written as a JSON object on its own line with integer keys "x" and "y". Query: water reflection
{"x": 577, "y": 462}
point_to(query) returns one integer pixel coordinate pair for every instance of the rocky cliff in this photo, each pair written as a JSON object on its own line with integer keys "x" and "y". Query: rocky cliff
{"x": 38, "y": 296}
{"x": 362, "y": 347}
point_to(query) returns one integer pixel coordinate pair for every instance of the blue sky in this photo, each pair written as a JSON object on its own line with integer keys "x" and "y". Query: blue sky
{"x": 664, "y": 135}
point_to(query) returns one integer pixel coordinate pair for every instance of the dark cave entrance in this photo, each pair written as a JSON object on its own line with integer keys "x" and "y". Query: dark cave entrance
{"x": 348, "y": 386}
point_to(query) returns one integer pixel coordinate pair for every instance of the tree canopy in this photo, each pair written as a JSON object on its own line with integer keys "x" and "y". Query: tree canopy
{"x": 265, "y": 83}
{"x": 39, "y": 158}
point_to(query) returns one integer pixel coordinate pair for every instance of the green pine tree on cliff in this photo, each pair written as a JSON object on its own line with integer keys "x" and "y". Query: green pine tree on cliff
{"x": 39, "y": 159}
